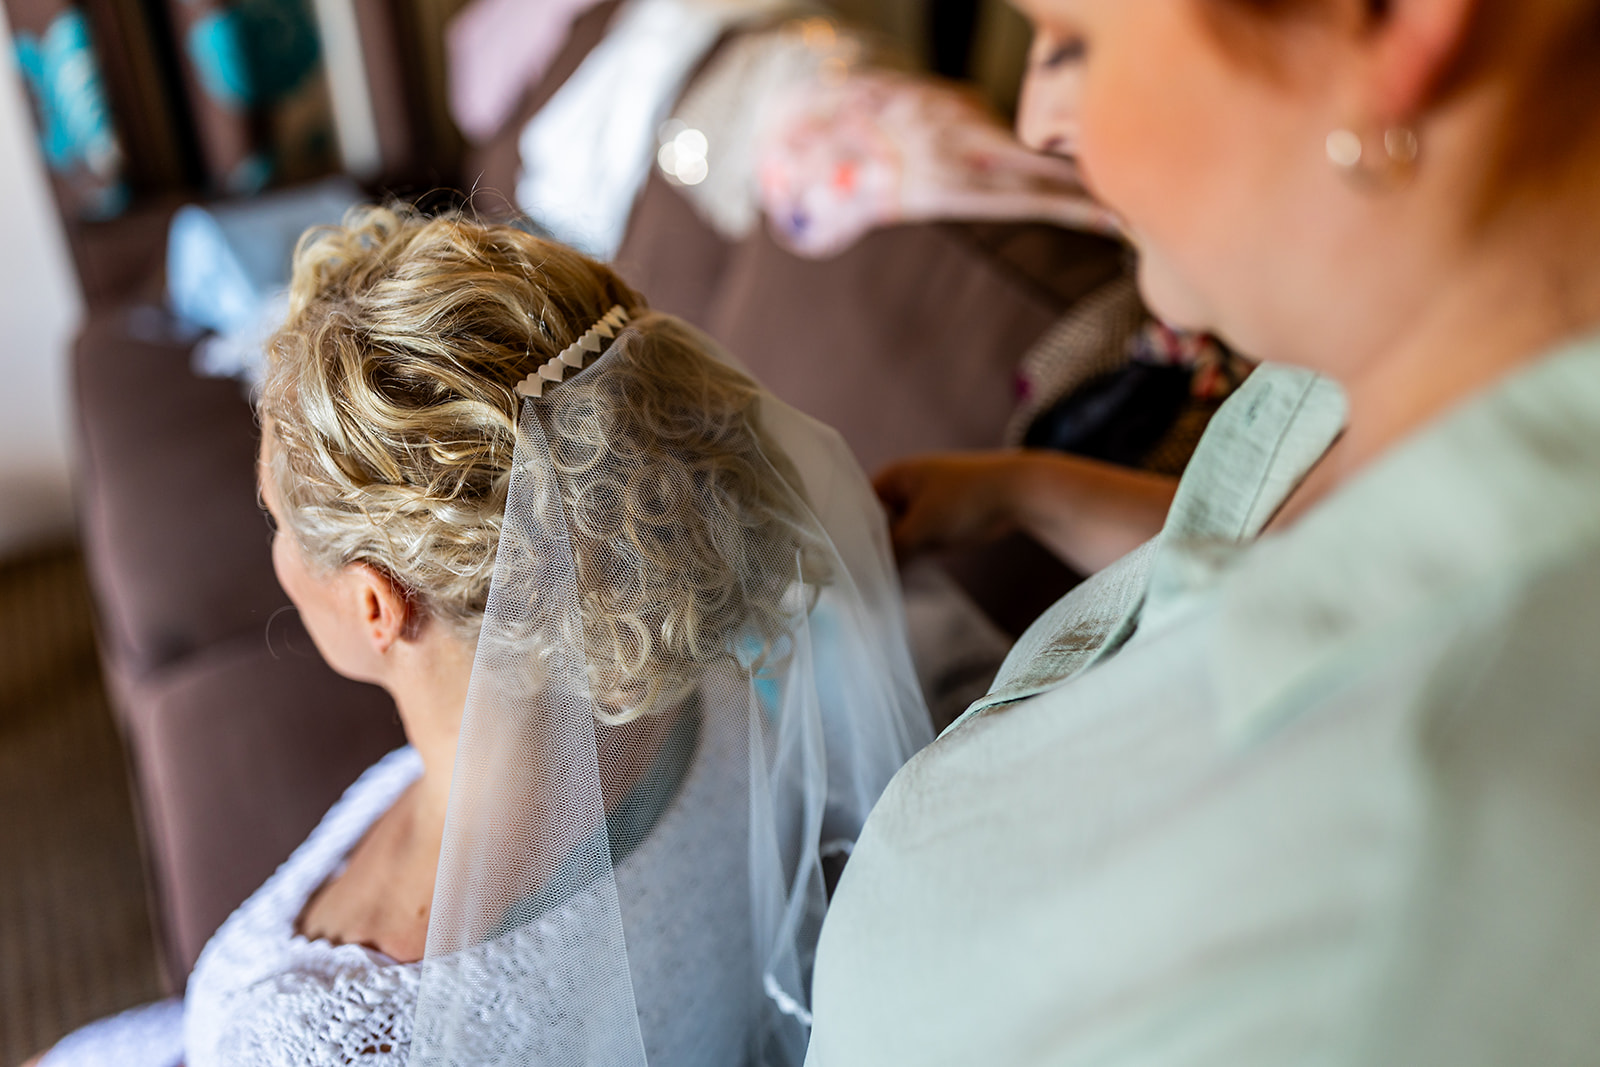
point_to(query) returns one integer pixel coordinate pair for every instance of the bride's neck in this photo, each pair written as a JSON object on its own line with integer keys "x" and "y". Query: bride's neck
{"x": 429, "y": 687}
{"x": 429, "y": 684}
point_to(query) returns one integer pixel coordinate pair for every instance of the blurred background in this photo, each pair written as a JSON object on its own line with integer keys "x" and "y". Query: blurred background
{"x": 831, "y": 191}
{"x": 116, "y": 109}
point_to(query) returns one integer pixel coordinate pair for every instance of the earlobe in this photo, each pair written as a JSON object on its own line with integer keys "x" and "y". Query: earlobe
{"x": 1411, "y": 49}
{"x": 1419, "y": 43}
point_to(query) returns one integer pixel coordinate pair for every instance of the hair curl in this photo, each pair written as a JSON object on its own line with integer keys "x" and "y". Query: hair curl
{"x": 390, "y": 395}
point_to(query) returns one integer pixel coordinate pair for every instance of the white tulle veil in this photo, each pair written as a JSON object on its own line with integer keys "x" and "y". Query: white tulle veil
{"x": 673, "y": 719}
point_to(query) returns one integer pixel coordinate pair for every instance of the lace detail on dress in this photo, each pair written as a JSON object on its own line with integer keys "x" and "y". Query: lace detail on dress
{"x": 261, "y": 994}
{"x": 361, "y": 1017}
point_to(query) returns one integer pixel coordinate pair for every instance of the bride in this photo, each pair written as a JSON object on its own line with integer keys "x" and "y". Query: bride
{"x": 641, "y": 627}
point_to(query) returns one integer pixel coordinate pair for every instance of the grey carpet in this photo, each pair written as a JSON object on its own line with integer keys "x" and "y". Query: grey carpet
{"x": 75, "y": 939}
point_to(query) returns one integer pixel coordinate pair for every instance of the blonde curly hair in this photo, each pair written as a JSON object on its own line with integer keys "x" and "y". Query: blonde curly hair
{"x": 390, "y": 395}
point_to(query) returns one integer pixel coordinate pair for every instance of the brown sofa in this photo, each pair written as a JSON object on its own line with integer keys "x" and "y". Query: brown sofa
{"x": 239, "y": 735}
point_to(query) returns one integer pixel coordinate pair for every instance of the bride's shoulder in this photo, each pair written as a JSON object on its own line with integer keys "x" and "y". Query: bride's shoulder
{"x": 367, "y": 798}
{"x": 261, "y": 930}
{"x": 261, "y": 994}
{"x": 380, "y": 784}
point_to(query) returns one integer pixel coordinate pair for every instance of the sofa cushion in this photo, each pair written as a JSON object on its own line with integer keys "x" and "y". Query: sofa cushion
{"x": 177, "y": 546}
{"x": 909, "y": 340}
{"x": 122, "y": 259}
{"x": 239, "y": 751}
{"x": 671, "y": 256}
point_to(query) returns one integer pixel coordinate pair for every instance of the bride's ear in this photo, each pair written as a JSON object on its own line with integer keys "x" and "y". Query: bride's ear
{"x": 384, "y": 610}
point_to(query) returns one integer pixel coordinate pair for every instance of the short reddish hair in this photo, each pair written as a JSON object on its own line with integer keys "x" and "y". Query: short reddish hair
{"x": 1557, "y": 102}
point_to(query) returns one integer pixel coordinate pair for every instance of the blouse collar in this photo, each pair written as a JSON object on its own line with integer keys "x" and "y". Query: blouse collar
{"x": 1505, "y": 485}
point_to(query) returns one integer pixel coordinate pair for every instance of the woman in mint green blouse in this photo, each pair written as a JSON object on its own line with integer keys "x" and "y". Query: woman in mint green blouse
{"x": 1312, "y": 776}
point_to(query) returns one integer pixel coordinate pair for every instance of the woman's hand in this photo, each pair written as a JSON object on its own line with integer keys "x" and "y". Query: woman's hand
{"x": 947, "y": 500}
{"x": 1087, "y": 512}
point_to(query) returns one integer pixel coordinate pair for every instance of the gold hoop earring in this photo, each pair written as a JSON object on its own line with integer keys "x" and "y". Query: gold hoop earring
{"x": 1347, "y": 151}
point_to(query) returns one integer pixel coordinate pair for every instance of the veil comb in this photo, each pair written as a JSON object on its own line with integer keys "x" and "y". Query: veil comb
{"x": 693, "y": 606}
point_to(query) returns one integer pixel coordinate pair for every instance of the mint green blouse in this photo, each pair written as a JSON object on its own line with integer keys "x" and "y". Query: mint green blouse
{"x": 1330, "y": 796}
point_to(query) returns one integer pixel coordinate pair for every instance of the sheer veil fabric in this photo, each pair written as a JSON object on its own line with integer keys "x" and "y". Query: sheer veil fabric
{"x": 672, "y": 719}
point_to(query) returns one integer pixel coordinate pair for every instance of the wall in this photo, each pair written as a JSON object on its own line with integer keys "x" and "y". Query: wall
{"x": 40, "y": 308}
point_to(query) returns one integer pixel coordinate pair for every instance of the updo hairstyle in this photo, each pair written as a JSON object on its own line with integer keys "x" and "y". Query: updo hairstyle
{"x": 390, "y": 395}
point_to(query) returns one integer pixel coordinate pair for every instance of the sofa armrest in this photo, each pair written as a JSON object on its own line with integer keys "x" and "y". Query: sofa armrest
{"x": 238, "y": 752}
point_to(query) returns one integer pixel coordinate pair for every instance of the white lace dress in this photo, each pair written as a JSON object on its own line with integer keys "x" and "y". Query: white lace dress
{"x": 262, "y": 995}
{"x": 256, "y": 956}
